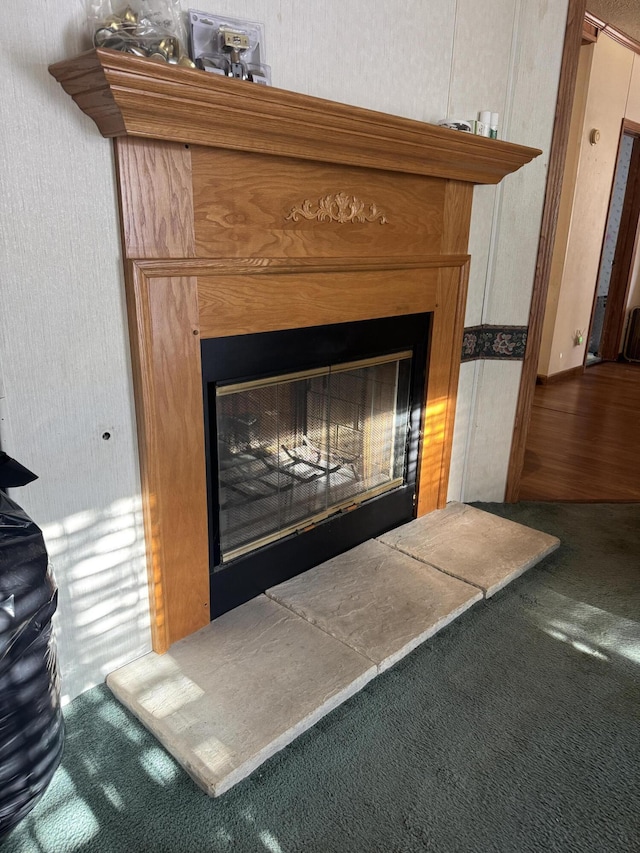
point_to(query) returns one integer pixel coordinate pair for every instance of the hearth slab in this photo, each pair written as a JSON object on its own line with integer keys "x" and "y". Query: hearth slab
{"x": 225, "y": 699}
{"x": 472, "y": 545}
{"x": 377, "y": 600}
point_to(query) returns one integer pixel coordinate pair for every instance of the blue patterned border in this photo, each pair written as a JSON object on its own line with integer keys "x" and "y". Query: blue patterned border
{"x": 495, "y": 342}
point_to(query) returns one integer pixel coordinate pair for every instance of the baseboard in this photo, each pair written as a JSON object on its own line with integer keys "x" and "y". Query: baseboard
{"x": 563, "y": 376}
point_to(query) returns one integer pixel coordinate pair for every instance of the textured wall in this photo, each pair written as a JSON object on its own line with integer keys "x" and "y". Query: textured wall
{"x": 620, "y": 14}
{"x": 65, "y": 355}
{"x": 65, "y": 359}
{"x": 504, "y": 234}
{"x": 572, "y": 161}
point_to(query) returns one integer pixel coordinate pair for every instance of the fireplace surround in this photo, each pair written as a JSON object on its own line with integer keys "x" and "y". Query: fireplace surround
{"x": 248, "y": 210}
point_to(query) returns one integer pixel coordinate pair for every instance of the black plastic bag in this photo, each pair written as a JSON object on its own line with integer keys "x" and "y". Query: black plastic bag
{"x": 31, "y": 724}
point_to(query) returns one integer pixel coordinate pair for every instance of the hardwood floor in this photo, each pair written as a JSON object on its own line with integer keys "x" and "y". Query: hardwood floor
{"x": 584, "y": 439}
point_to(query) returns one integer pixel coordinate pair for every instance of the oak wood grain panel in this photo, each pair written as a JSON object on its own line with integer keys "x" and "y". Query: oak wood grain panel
{"x": 442, "y": 388}
{"x": 452, "y": 303}
{"x": 446, "y": 346}
{"x": 555, "y": 174}
{"x": 250, "y": 204}
{"x": 589, "y": 32}
{"x": 271, "y": 266}
{"x": 239, "y": 305}
{"x": 156, "y": 201}
{"x": 127, "y": 95}
{"x": 457, "y": 217}
{"x": 163, "y": 317}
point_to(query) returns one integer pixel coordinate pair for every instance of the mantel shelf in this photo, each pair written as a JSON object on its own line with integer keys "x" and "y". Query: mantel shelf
{"x": 129, "y": 96}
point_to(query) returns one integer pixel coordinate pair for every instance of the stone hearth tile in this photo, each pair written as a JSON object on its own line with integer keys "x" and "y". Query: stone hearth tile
{"x": 378, "y": 601}
{"x": 475, "y": 546}
{"x": 225, "y": 699}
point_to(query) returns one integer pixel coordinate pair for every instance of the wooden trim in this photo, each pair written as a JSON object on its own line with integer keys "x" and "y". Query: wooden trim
{"x": 439, "y": 411}
{"x": 170, "y": 310}
{"x": 622, "y": 38}
{"x": 555, "y": 174}
{"x": 165, "y": 348}
{"x": 589, "y": 32}
{"x": 129, "y": 96}
{"x": 294, "y": 266}
{"x": 563, "y": 376}
{"x": 457, "y": 217}
{"x": 240, "y": 304}
{"x": 615, "y": 313}
{"x": 593, "y": 22}
{"x": 448, "y": 331}
{"x": 154, "y": 176}
{"x": 452, "y": 304}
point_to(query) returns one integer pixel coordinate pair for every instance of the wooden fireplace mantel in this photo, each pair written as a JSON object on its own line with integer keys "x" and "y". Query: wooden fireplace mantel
{"x": 129, "y": 97}
{"x": 248, "y": 209}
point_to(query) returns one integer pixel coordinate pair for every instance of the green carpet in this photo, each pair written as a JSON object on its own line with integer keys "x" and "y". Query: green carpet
{"x": 514, "y": 729}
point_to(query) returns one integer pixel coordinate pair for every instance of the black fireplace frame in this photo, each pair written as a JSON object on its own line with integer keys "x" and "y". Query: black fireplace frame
{"x": 243, "y": 358}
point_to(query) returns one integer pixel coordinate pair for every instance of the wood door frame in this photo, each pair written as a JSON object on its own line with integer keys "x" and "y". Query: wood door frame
{"x": 555, "y": 174}
{"x": 624, "y": 256}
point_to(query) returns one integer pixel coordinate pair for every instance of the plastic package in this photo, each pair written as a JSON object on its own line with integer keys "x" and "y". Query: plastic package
{"x": 230, "y": 47}
{"x": 457, "y": 124}
{"x": 31, "y": 724}
{"x": 148, "y": 28}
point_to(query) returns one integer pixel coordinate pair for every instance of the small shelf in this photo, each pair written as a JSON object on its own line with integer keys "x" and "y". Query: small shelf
{"x": 130, "y": 96}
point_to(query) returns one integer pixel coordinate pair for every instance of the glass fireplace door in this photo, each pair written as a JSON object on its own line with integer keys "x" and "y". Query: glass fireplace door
{"x": 296, "y": 448}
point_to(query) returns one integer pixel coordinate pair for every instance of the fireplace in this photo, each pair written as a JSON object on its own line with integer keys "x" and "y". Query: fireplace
{"x": 248, "y": 210}
{"x": 308, "y": 446}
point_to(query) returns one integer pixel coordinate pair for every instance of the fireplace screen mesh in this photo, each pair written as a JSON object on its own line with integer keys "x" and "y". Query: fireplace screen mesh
{"x": 296, "y": 448}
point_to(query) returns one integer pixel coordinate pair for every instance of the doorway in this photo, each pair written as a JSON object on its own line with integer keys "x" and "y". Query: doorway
{"x": 618, "y": 248}
{"x": 582, "y": 28}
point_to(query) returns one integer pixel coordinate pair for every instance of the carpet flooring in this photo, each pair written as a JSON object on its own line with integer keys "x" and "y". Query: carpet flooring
{"x": 516, "y": 728}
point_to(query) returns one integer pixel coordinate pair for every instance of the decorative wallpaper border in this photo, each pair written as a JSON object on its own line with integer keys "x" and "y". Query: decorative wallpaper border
{"x": 494, "y": 342}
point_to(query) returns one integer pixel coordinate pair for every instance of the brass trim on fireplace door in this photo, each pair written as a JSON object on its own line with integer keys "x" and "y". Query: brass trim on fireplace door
{"x": 281, "y": 378}
{"x": 346, "y": 505}
{"x": 371, "y": 362}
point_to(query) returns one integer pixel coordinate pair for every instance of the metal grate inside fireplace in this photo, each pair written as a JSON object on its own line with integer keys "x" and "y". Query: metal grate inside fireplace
{"x": 311, "y": 439}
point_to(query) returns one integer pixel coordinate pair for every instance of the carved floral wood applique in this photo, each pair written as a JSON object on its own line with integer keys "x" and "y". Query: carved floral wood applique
{"x": 339, "y": 207}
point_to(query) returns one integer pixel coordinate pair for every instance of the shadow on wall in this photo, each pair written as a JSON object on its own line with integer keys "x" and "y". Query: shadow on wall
{"x": 102, "y": 622}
